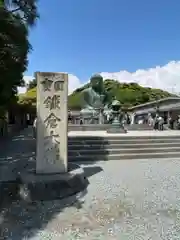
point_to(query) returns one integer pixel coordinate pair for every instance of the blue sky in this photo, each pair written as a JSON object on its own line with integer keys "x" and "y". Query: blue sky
{"x": 84, "y": 37}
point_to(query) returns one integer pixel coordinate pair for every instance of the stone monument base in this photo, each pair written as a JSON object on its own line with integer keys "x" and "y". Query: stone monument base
{"x": 48, "y": 187}
{"x": 31, "y": 186}
{"x": 116, "y": 130}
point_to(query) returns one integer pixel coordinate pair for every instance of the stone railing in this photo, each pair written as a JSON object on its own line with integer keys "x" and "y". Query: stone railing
{"x": 76, "y": 120}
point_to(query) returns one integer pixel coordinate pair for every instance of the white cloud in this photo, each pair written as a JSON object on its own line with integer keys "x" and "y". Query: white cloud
{"x": 27, "y": 79}
{"x": 74, "y": 83}
{"x": 165, "y": 77}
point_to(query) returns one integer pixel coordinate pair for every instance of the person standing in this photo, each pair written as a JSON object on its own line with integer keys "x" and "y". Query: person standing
{"x": 160, "y": 123}
{"x": 156, "y": 122}
{"x": 35, "y": 127}
{"x": 150, "y": 120}
{"x": 171, "y": 123}
{"x": 178, "y": 122}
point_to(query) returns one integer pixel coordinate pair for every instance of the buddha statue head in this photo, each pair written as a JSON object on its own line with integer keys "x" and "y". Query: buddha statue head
{"x": 96, "y": 82}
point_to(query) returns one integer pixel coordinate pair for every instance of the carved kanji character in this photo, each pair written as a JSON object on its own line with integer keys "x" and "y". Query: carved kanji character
{"x": 52, "y": 121}
{"x": 54, "y": 137}
{"x": 52, "y": 102}
{"x": 59, "y": 85}
{"x": 47, "y": 84}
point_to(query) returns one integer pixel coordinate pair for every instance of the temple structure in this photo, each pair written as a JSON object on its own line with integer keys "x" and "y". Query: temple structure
{"x": 167, "y": 107}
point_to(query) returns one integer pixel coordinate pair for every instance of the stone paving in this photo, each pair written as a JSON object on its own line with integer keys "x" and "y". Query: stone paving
{"x": 125, "y": 200}
{"x": 15, "y": 153}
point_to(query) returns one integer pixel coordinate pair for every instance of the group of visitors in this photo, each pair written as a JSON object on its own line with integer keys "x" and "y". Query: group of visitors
{"x": 158, "y": 123}
{"x": 174, "y": 123}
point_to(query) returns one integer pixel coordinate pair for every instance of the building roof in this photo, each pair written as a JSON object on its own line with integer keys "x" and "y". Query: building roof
{"x": 154, "y": 102}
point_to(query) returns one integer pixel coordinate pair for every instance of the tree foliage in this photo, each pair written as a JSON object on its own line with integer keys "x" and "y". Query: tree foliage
{"x": 129, "y": 94}
{"x": 15, "y": 18}
{"x": 14, "y": 48}
{"x": 26, "y": 10}
{"x": 32, "y": 84}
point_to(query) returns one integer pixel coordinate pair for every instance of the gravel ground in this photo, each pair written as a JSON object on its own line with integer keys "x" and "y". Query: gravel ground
{"x": 124, "y": 200}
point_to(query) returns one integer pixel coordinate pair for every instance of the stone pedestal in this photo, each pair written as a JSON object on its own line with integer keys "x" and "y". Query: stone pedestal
{"x": 29, "y": 186}
{"x": 47, "y": 187}
{"x": 52, "y": 120}
{"x": 116, "y": 130}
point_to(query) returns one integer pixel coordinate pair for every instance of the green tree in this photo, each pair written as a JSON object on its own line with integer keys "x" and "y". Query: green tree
{"x": 32, "y": 84}
{"x": 14, "y": 47}
{"x": 15, "y": 18}
{"x": 26, "y": 10}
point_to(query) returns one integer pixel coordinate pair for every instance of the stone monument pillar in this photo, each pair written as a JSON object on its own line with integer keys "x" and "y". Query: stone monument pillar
{"x": 51, "y": 179}
{"x": 52, "y": 122}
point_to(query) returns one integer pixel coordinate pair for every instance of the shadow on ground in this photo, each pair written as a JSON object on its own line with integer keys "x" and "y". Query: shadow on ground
{"x": 22, "y": 220}
{"x": 18, "y": 218}
{"x": 20, "y": 146}
{"x": 80, "y": 148}
{"x": 15, "y": 154}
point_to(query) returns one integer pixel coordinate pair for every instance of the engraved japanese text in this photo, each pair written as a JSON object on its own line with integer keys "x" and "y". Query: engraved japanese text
{"x": 59, "y": 85}
{"x": 52, "y": 102}
{"x": 51, "y": 121}
{"x": 47, "y": 84}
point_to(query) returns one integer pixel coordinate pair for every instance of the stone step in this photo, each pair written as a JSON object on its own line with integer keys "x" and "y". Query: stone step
{"x": 77, "y": 147}
{"x": 121, "y": 141}
{"x": 105, "y": 152}
{"x": 139, "y": 127}
{"x": 100, "y": 127}
{"x": 129, "y": 156}
{"x": 121, "y": 137}
{"x": 84, "y": 163}
{"x": 88, "y": 127}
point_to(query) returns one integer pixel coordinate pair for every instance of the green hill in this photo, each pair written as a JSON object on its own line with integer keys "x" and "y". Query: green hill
{"x": 129, "y": 94}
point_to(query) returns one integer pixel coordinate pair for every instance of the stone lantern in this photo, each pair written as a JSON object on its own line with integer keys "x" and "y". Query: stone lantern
{"x": 117, "y": 118}
{"x": 116, "y": 111}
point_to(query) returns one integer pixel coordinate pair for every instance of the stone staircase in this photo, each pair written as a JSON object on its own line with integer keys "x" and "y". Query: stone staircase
{"x": 93, "y": 148}
{"x": 103, "y": 127}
